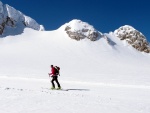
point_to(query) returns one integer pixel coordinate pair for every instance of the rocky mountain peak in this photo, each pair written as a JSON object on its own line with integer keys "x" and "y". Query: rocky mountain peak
{"x": 133, "y": 37}
{"x": 11, "y": 17}
{"x": 76, "y": 29}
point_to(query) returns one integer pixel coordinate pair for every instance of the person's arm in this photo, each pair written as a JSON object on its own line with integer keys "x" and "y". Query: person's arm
{"x": 49, "y": 74}
{"x": 52, "y": 72}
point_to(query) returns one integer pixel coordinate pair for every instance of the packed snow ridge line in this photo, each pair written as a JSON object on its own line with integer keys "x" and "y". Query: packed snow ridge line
{"x": 11, "y": 17}
{"x": 76, "y": 29}
{"x": 133, "y": 37}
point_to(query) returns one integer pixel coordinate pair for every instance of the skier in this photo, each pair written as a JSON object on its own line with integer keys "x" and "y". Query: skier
{"x": 54, "y": 74}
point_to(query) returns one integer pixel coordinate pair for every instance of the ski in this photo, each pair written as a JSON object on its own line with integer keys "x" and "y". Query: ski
{"x": 56, "y": 89}
{"x": 60, "y": 89}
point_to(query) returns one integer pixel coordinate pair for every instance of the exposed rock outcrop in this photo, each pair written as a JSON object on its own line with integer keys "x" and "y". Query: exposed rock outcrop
{"x": 133, "y": 37}
{"x": 76, "y": 29}
{"x": 9, "y": 16}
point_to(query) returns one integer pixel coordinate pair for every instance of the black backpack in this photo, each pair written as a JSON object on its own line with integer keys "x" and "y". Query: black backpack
{"x": 57, "y": 70}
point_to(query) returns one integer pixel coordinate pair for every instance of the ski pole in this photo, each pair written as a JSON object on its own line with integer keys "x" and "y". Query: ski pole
{"x": 49, "y": 77}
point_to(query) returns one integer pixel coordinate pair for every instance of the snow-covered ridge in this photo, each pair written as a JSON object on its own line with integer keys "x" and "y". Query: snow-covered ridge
{"x": 11, "y": 17}
{"x": 133, "y": 37}
{"x": 76, "y": 29}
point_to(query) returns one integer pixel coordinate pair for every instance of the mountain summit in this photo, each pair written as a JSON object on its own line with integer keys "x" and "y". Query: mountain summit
{"x": 76, "y": 29}
{"x": 12, "y": 18}
{"x": 135, "y": 38}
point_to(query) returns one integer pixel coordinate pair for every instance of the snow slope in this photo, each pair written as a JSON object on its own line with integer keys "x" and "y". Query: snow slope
{"x": 100, "y": 76}
{"x": 31, "y": 54}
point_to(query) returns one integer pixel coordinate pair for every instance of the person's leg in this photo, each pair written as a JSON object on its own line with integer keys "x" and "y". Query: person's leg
{"x": 57, "y": 82}
{"x": 52, "y": 81}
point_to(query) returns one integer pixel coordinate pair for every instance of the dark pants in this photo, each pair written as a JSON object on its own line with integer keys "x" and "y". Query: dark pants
{"x": 55, "y": 78}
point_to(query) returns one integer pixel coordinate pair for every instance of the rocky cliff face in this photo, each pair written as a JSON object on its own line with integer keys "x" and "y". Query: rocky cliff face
{"x": 133, "y": 37}
{"x": 76, "y": 29}
{"x": 11, "y": 17}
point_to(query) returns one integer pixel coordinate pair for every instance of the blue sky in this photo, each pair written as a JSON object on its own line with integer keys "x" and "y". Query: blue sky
{"x": 104, "y": 15}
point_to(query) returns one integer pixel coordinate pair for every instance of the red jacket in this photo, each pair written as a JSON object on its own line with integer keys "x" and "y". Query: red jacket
{"x": 53, "y": 72}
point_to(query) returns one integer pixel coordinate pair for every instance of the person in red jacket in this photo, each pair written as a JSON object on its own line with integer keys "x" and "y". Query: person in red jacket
{"x": 54, "y": 76}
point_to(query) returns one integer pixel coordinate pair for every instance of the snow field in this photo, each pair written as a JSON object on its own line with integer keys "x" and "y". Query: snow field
{"x": 25, "y": 95}
{"x": 99, "y": 77}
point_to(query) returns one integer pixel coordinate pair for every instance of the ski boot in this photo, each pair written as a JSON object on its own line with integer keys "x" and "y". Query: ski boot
{"x": 59, "y": 88}
{"x": 52, "y": 88}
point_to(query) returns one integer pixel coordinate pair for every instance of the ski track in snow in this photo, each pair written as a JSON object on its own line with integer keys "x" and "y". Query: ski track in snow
{"x": 84, "y": 83}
